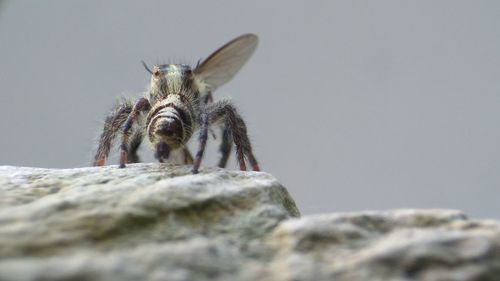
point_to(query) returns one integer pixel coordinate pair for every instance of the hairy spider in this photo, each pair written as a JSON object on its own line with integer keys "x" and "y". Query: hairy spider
{"x": 179, "y": 102}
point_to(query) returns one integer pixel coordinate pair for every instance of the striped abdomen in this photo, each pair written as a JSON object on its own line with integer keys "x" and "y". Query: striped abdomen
{"x": 171, "y": 121}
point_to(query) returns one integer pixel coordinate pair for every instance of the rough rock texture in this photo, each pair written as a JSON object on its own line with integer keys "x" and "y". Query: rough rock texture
{"x": 158, "y": 222}
{"x": 394, "y": 245}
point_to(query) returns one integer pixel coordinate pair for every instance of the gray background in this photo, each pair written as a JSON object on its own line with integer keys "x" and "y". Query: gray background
{"x": 352, "y": 105}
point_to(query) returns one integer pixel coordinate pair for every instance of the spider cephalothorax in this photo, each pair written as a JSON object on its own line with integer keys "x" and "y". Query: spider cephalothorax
{"x": 179, "y": 101}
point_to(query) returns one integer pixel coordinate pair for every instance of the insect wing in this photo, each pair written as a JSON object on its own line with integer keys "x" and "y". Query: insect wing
{"x": 223, "y": 64}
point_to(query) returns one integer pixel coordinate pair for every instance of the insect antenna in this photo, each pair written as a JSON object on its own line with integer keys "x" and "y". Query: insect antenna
{"x": 198, "y": 63}
{"x": 146, "y": 67}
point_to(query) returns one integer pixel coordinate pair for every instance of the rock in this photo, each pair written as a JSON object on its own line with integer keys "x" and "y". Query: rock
{"x": 147, "y": 221}
{"x": 159, "y": 222}
{"x": 394, "y": 245}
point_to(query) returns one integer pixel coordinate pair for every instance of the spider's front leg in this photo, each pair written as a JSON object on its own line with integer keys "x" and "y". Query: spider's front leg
{"x": 225, "y": 146}
{"x": 141, "y": 105}
{"x": 112, "y": 125}
{"x": 202, "y": 138}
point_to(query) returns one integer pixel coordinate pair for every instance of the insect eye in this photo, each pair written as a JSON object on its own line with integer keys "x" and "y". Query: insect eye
{"x": 156, "y": 71}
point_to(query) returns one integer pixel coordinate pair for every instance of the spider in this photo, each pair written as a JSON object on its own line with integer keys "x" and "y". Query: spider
{"x": 178, "y": 103}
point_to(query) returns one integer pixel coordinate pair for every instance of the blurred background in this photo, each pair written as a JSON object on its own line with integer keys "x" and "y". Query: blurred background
{"x": 352, "y": 105}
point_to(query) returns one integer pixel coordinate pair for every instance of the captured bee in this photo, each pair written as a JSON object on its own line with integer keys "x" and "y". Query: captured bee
{"x": 179, "y": 102}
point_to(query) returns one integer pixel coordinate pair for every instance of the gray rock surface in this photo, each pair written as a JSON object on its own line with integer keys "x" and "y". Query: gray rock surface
{"x": 158, "y": 222}
{"x": 393, "y": 245}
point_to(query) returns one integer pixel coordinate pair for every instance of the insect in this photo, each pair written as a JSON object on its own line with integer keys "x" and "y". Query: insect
{"x": 179, "y": 102}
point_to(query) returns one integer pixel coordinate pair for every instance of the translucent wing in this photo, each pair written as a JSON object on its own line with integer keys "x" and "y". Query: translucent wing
{"x": 224, "y": 63}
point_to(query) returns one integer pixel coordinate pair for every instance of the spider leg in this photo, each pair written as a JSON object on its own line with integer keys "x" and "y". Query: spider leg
{"x": 226, "y": 144}
{"x": 224, "y": 110}
{"x": 203, "y": 135}
{"x": 202, "y": 138}
{"x": 112, "y": 125}
{"x": 141, "y": 105}
{"x": 135, "y": 142}
{"x": 225, "y": 147}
